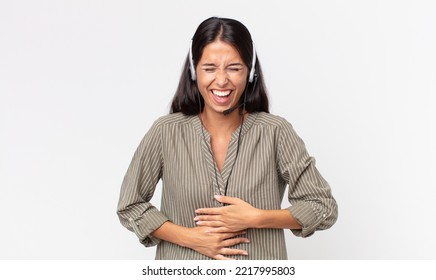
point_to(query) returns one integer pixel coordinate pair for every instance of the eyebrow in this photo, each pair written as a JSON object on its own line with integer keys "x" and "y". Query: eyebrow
{"x": 208, "y": 65}
{"x": 230, "y": 65}
{"x": 236, "y": 64}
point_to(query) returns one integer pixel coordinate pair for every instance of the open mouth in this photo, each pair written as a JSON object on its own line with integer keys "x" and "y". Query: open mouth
{"x": 222, "y": 97}
{"x": 221, "y": 93}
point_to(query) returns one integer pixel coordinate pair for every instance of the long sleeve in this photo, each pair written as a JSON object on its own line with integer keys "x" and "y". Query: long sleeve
{"x": 135, "y": 211}
{"x": 312, "y": 203}
{"x": 271, "y": 156}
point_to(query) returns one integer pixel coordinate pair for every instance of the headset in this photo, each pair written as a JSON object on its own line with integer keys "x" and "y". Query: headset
{"x": 251, "y": 76}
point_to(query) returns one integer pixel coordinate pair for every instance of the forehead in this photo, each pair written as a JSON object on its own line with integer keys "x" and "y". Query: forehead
{"x": 219, "y": 50}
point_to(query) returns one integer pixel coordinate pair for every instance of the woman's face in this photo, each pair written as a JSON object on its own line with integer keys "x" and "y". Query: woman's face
{"x": 221, "y": 76}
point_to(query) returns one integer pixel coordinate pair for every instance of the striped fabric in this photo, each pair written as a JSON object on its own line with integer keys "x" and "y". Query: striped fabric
{"x": 271, "y": 157}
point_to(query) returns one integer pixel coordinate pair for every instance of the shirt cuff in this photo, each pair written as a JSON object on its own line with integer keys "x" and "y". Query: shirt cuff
{"x": 306, "y": 217}
{"x": 145, "y": 225}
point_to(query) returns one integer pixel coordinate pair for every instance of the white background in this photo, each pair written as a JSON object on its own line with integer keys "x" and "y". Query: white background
{"x": 82, "y": 81}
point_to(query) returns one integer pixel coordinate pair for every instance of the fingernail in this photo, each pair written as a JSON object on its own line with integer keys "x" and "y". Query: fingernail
{"x": 245, "y": 253}
{"x": 247, "y": 241}
{"x": 217, "y": 196}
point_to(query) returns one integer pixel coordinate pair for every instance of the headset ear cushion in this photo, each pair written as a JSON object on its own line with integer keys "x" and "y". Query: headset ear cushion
{"x": 191, "y": 64}
{"x": 251, "y": 76}
{"x": 253, "y": 65}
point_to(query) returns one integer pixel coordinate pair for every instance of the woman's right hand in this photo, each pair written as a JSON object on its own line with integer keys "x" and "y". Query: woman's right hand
{"x": 214, "y": 245}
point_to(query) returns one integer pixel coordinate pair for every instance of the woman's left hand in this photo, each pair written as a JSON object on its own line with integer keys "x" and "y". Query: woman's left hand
{"x": 236, "y": 216}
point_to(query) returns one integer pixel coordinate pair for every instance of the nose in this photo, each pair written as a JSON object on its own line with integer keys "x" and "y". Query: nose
{"x": 221, "y": 78}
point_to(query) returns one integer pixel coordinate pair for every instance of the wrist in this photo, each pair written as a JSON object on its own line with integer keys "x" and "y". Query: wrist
{"x": 183, "y": 236}
{"x": 275, "y": 219}
{"x": 259, "y": 217}
{"x": 173, "y": 233}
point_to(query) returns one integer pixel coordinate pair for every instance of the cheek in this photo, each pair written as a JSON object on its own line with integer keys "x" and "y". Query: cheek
{"x": 240, "y": 81}
{"x": 202, "y": 87}
{"x": 203, "y": 90}
{"x": 203, "y": 82}
{"x": 241, "y": 85}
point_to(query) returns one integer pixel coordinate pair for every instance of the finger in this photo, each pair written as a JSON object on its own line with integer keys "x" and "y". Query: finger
{"x": 207, "y": 218}
{"x": 208, "y": 211}
{"x": 218, "y": 230}
{"x": 210, "y": 223}
{"x": 221, "y": 232}
{"x": 231, "y": 234}
{"x": 228, "y": 252}
{"x": 235, "y": 241}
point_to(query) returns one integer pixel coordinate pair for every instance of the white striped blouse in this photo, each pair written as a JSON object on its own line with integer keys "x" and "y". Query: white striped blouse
{"x": 177, "y": 150}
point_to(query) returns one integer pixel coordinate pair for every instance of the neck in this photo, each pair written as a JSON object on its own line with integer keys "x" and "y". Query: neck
{"x": 218, "y": 123}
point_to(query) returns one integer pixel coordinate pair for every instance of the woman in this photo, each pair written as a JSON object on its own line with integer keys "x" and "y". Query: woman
{"x": 224, "y": 161}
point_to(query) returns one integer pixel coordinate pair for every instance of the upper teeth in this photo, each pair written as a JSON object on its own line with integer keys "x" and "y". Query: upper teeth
{"x": 221, "y": 93}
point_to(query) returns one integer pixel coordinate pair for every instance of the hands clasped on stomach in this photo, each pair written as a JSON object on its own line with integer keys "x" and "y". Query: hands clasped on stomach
{"x": 220, "y": 228}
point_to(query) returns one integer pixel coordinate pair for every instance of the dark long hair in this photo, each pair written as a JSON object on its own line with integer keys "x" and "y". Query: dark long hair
{"x": 187, "y": 97}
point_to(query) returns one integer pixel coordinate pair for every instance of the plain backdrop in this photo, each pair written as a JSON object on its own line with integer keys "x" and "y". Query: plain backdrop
{"x": 81, "y": 82}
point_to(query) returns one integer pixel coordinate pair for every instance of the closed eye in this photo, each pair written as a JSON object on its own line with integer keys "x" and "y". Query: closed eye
{"x": 235, "y": 69}
{"x": 209, "y": 69}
